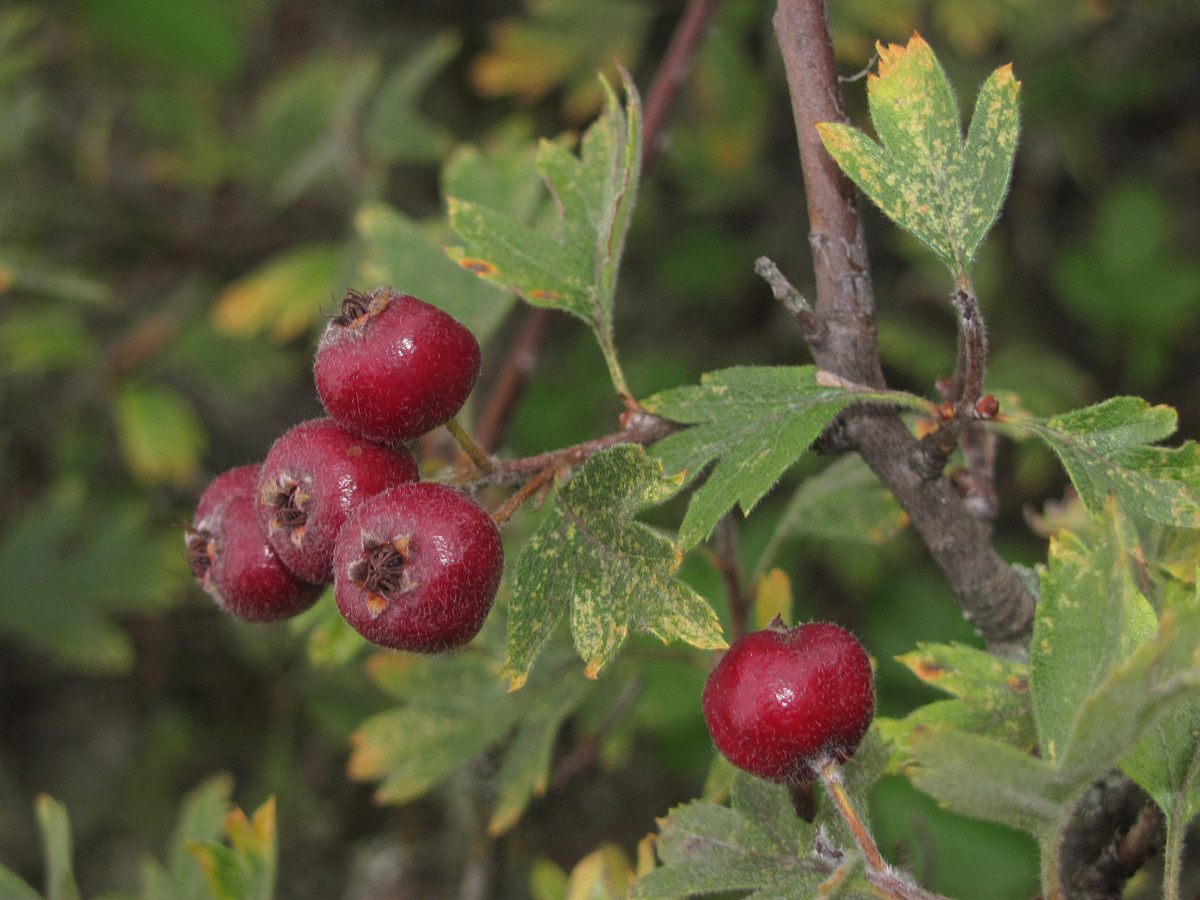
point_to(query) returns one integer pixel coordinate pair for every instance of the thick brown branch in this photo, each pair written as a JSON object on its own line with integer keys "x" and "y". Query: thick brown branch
{"x": 841, "y": 335}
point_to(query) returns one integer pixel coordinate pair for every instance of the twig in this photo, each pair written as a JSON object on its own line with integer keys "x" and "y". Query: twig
{"x": 671, "y": 74}
{"x": 644, "y": 430}
{"x": 728, "y": 564}
{"x": 841, "y": 335}
{"x": 792, "y": 300}
{"x": 514, "y": 376}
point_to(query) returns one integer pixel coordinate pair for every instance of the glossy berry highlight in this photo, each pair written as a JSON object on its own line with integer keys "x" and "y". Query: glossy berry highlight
{"x": 781, "y": 704}
{"x": 391, "y": 367}
{"x": 231, "y": 559}
{"x": 417, "y": 568}
{"x": 314, "y": 475}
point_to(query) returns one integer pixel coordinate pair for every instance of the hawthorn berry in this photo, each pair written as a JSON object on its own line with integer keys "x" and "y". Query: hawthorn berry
{"x": 391, "y": 367}
{"x": 230, "y": 557}
{"x": 781, "y": 704}
{"x": 417, "y": 568}
{"x": 313, "y": 476}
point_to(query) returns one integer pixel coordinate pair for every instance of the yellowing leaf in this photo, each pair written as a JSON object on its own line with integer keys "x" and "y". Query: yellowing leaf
{"x": 283, "y": 297}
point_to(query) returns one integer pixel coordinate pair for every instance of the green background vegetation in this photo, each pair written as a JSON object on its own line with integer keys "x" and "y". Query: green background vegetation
{"x": 187, "y": 186}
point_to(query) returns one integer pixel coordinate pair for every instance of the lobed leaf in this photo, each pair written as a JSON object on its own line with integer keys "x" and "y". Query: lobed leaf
{"x": 923, "y": 175}
{"x": 1106, "y": 449}
{"x": 573, "y": 267}
{"x": 454, "y": 708}
{"x": 591, "y": 558}
{"x": 753, "y": 422}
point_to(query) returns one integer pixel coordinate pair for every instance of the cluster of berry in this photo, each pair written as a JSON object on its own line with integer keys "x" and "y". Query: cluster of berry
{"x": 415, "y": 565}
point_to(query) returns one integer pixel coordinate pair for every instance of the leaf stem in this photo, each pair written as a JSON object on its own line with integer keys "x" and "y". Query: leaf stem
{"x": 477, "y": 454}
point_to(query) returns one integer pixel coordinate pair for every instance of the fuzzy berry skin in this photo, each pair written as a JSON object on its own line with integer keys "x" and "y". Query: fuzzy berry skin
{"x": 314, "y": 475}
{"x": 391, "y": 367}
{"x": 230, "y": 558}
{"x": 417, "y": 568}
{"x": 780, "y": 704}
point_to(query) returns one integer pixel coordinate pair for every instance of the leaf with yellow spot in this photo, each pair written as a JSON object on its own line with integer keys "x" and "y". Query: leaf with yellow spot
{"x": 1109, "y": 449}
{"x": 923, "y": 175}
{"x": 613, "y": 574}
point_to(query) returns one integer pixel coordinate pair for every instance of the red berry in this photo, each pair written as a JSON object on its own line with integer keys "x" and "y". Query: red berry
{"x": 230, "y": 558}
{"x": 417, "y": 568}
{"x": 391, "y": 367}
{"x": 312, "y": 478}
{"x": 781, "y": 704}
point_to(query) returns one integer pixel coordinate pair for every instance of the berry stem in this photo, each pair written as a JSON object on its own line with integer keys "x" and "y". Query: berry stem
{"x": 887, "y": 881}
{"x": 482, "y": 461}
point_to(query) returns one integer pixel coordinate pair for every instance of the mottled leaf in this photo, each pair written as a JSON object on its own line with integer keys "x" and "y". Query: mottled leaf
{"x": 1166, "y": 760}
{"x": 923, "y": 175}
{"x": 1107, "y": 449}
{"x": 754, "y": 422}
{"x": 591, "y": 558}
{"x": 1077, "y": 638}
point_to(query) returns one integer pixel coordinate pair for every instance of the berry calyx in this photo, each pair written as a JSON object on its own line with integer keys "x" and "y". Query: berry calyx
{"x": 230, "y": 558}
{"x": 417, "y": 567}
{"x": 782, "y": 704}
{"x": 391, "y": 367}
{"x": 314, "y": 475}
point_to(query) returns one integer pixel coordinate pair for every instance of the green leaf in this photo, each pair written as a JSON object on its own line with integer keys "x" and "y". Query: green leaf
{"x": 613, "y": 573}
{"x": 394, "y": 128}
{"x": 754, "y": 422}
{"x": 332, "y": 641}
{"x": 453, "y": 709}
{"x": 13, "y": 888}
{"x": 97, "y": 572}
{"x": 55, "y": 827}
{"x": 757, "y": 844}
{"x": 201, "y": 818}
{"x": 1106, "y": 449}
{"x": 407, "y": 255}
{"x": 159, "y": 432}
{"x": 924, "y": 177}
{"x": 845, "y": 501}
{"x": 528, "y": 758}
{"x": 574, "y": 268}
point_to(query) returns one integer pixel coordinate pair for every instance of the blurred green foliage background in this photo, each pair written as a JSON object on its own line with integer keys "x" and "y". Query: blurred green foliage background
{"x": 185, "y": 188}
